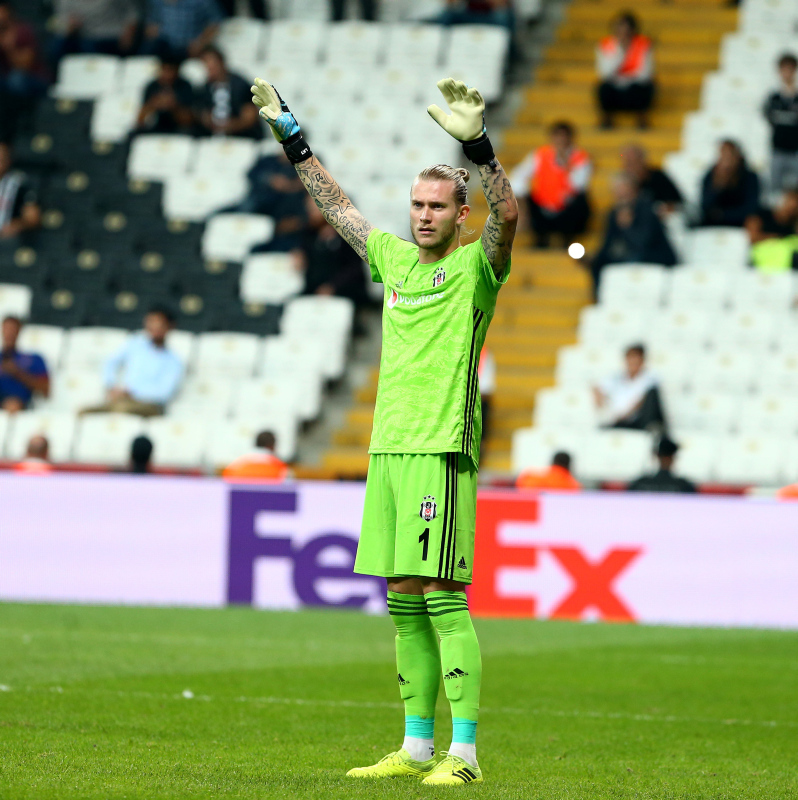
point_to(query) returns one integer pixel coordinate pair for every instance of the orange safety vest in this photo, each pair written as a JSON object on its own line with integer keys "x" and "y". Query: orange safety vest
{"x": 550, "y": 186}
{"x": 788, "y": 492}
{"x": 33, "y": 467}
{"x": 635, "y": 56}
{"x": 256, "y": 467}
{"x": 554, "y": 478}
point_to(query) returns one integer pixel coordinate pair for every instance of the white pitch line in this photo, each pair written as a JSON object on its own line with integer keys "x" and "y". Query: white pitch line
{"x": 187, "y": 694}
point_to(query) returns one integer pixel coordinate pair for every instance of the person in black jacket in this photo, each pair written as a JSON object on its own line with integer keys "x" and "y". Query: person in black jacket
{"x": 634, "y": 233}
{"x": 730, "y": 190}
{"x": 781, "y": 111}
{"x": 663, "y": 480}
{"x": 652, "y": 182}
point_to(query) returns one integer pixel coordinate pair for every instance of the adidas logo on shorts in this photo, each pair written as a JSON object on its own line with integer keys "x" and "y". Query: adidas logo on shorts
{"x": 455, "y": 673}
{"x": 461, "y": 564}
{"x": 402, "y": 681}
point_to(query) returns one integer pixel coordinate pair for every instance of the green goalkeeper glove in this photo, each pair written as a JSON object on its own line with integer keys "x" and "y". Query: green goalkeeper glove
{"x": 466, "y": 123}
{"x": 282, "y": 122}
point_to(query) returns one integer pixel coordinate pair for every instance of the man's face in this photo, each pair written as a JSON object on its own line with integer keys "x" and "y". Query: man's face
{"x": 10, "y": 334}
{"x": 561, "y": 140}
{"x": 633, "y": 161}
{"x": 168, "y": 74}
{"x": 434, "y": 215}
{"x": 5, "y": 18}
{"x": 634, "y": 363}
{"x": 214, "y": 67}
{"x": 787, "y": 72}
{"x": 625, "y": 191}
{"x": 5, "y": 159}
{"x": 157, "y": 326}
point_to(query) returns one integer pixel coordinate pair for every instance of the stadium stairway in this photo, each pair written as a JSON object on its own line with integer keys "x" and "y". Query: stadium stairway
{"x": 538, "y": 310}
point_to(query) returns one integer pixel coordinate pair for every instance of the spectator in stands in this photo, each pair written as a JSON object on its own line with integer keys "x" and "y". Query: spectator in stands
{"x": 557, "y": 477}
{"x": 781, "y": 111}
{"x": 486, "y": 372}
{"x": 630, "y": 399}
{"x": 168, "y": 101}
{"x": 329, "y": 265}
{"x": 663, "y": 480}
{"x": 262, "y": 465}
{"x": 478, "y": 12}
{"x": 634, "y": 233}
{"x": 554, "y": 179}
{"x": 257, "y": 8}
{"x": 652, "y": 183}
{"x": 368, "y": 9}
{"x": 141, "y": 455}
{"x": 144, "y": 375}
{"x": 21, "y": 374}
{"x": 625, "y": 64}
{"x": 729, "y": 190}
{"x": 19, "y": 211}
{"x": 93, "y": 26}
{"x": 37, "y": 457}
{"x": 183, "y": 28}
{"x": 774, "y": 223}
{"x": 225, "y": 106}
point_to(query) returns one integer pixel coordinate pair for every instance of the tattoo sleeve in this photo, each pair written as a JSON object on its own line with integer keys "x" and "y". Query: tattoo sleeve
{"x": 337, "y": 208}
{"x": 497, "y": 238}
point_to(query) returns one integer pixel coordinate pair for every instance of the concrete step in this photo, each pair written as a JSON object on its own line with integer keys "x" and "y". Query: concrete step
{"x": 685, "y": 77}
{"x": 697, "y": 56}
{"x": 584, "y": 115}
{"x": 556, "y": 96}
{"x": 599, "y": 15}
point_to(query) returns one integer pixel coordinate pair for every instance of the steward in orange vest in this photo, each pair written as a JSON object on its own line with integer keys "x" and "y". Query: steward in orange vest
{"x": 262, "y": 465}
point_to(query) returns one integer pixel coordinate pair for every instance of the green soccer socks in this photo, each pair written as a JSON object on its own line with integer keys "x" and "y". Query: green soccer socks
{"x": 461, "y": 663}
{"x": 418, "y": 663}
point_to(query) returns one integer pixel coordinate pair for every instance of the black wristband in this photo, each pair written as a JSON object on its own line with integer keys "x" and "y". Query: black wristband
{"x": 479, "y": 151}
{"x": 297, "y": 149}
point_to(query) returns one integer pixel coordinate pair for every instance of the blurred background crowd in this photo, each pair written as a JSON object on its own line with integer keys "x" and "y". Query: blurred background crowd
{"x": 651, "y": 323}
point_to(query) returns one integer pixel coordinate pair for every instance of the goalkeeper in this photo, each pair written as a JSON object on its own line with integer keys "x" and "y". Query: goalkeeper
{"x": 420, "y": 507}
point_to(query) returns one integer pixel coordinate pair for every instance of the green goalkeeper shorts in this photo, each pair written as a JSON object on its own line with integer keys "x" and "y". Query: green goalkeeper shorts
{"x": 419, "y": 517}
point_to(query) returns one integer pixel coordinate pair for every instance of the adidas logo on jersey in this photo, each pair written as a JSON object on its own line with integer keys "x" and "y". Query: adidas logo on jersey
{"x": 455, "y": 673}
{"x": 461, "y": 564}
{"x": 402, "y": 681}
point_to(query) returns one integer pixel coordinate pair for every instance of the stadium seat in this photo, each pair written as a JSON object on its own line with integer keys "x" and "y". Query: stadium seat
{"x": 137, "y": 72}
{"x": 61, "y": 307}
{"x": 178, "y": 441}
{"x": 193, "y": 70}
{"x": 194, "y": 198}
{"x": 158, "y": 157}
{"x": 232, "y": 355}
{"x": 704, "y": 412}
{"x": 57, "y": 426}
{"x": 15, "y": 300}
{"x": 183, "y": 344}
{"x": 637, "y": 285}
{"x": 755, "y": 329}
{"x": 270, "y": 278}
{"x": 778, "y": 373}
{"x": 297, "y": 394}
{"x": 4, "y": 419}
{"x": 727, "y": 369}
{"x": 752, "y": 53}
{"x": 616, "y": 455}
{"x": 613, "y": 327}
{"x": 534, "y": 448}
{"x": 46, "y": 340}
{"x": 106, "y": 438}
{"x": 697, "y": 455}
{"x": 689, "y": 327}
{"x": 86, "y": 77}
{"x": 295, "y": 41}
{"x": 115, "y": 115}
{"x": 580, "y": 366}
{"x": 228, "y": 156}
{"x": 200, "y": 395}
{"x": 230, "y": 237}
{"x": 673, "y": 366}
{"x": 242, "y": 40}
{"x": 699, "y": 288}
{"x": 561, "y": 407}
{"x": 283, "y": 355}
{"x": 770, "y": 413}
{"x": 355, "y": 45}
{"x": 230, "y": 439}
{"x": 773, "y": 292}
{"x": 72, "y": 391}
{"x": 703, "y": 130}
{"x": 750, "y": 459}
{"x": 90, "y": 348}
{"x": 721, "y": 91}
{"x": 687, "y": 170}
{"x": 477, "y": 54}
{"x": 418, "y": 45}
{"x": 719, "y": 248}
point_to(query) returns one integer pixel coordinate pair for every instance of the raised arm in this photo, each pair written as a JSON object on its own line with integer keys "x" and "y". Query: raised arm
{"x": 466, "y": 123}
{"x": 330, "y": 198}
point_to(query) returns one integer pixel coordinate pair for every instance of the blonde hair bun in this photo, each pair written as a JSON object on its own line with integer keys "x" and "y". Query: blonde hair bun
{"x": 443, "y": 172}
{"x": 464, "y": 174}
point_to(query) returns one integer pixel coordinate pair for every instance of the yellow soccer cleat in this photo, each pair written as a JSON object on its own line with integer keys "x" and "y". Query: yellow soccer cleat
{"x": 395, "y": 765}
{"x": 453, "y": 771}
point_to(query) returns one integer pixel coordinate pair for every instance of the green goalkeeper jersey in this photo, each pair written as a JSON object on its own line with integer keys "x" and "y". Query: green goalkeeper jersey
{"x": 435, "y": 317}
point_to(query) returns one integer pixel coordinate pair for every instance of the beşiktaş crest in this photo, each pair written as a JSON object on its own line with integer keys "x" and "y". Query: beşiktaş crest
{"x": 438, "y": 278}
{"x": 429, "y": 509}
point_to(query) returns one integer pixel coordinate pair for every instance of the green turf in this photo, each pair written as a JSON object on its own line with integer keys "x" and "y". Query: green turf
{"x": 93, "y": 706}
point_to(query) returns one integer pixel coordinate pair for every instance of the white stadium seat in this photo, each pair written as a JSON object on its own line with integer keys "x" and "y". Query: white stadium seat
{"x": 57, "y": 426}
{"x": 86, "y": 77}
{"x": 230, "y": 237}
{"x": 90, "y": 348}
{"x": 114, "y": 115}
{"x": 136, "y": 72}
{"x": 178, "y": 441}
{"x": 770, "y": 413}
{"x": 194, "y": 198}
{"x": 295, "y": 41}
{"x": 614, "y": 455}
{"x": 755, "y": 329}
{"x": 352, "y": 44}
{"x": 565, "y": 408}
{"x": 534, "y": 448}
{"x": 673, "y": 366}
{"x": 418, "y": 45}
{"x": 4, "y": 418}
{"x": 770, "y": 291}
{"x": 478, "y": 54}
{"x": 697, "y": 454}
{"x": 778, "y": 373}
{"x": 193, "y": 70}
{"x": 750, "y": 459}
{"x": 580, "y": 366}
{"x": 228, "y": 156}
{"x": 231, "y": 439}
{"x": 156, "y": 157}
{"x": 242, "y": 39}
{"x": 686, "y": 170}
{"x": 290, "y": 395}
{"x": 227, "y": 354}
{"x": 15, "y": 300}
{"x": 270, "y": 278}
{"x": 633, "y": 284}
{"x": 704, "y": 289}
{"x": 46, "y": 340}
{"x": 182, "y": 344}
{"x": 200, "y": 395}
{"x": 106, "y": 438}
{"x": 729, "y": 369}
{"x": 704, "y": 130}
{"x": 72, "y": 391}
{"x": 688, "y": 327}
{"x": 704, "y": 412}
{"x": 616, "y": 327}
{"x": 719, "y": 248}
{"x": 283, "y": 355}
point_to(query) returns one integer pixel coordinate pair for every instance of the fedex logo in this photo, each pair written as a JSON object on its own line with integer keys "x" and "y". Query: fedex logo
{"x": 571, "y": 582}
{"x": 306, "y": 564}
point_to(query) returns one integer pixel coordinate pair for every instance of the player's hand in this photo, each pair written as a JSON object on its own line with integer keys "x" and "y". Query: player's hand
{"x": 274, "y": 110}
{"x": 466, "y": 122}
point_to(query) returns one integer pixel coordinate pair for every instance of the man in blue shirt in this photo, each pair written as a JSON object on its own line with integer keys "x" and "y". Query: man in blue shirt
{"x": 143, "y": 376}
{"x": 21, "y": 374}
{"x": 180, "y": 27}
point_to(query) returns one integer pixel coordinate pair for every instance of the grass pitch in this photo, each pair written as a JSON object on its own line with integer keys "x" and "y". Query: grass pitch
{"x": 163, "y": 703}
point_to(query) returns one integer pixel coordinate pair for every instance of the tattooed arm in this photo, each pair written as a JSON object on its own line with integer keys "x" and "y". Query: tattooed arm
{"x": 337, "y": 208}
{"x": 497, "y": 238}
